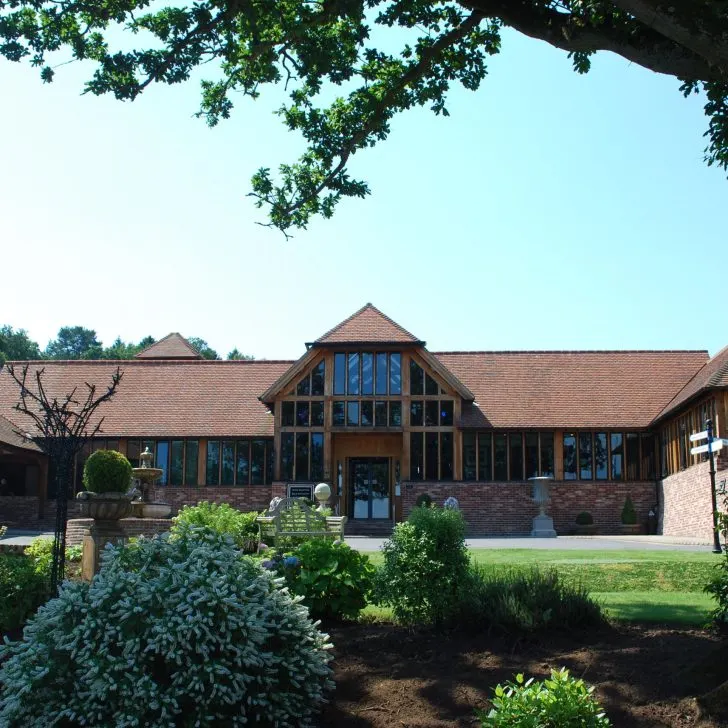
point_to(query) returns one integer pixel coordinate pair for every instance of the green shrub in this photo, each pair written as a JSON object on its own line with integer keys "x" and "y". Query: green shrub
{"x": 584, "y": 519}
{"x": 107, "y": 471}
{"x": 41, "y": 551}
{"x": 171, "y": 632}
{"x": 333, "y": 579}
{"x": 74, "y": 553}
{"x": 223, "y": 519}
{"x": 23, "y": 588}
{"x": 717, "y": 587}
{"x": 423, "y": 499}
{"x": 560, "y": 702}
{"x": 425, "y": 568}
{"x": 526, "y": 601}
{"x": 629, "y": 515}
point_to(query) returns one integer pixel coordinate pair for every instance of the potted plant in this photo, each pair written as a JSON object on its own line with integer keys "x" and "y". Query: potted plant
{"x": 629, "y": 517}
{"x": 585, "y": 525}
{"x": 107, "y": 479}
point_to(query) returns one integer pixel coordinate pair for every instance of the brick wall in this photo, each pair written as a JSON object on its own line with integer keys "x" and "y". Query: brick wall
{"x": 507, "y": 509}
{"x": 130, "y": 526}
{"x": 22, "y": 512}
{"x": 247, "y": 498}
{"x": 686, "y": 507}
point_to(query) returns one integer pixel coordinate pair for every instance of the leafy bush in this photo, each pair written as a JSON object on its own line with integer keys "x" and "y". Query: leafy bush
{"x": 425, "y": 567}
{"x": 74, "y": 553}
{"x": 560, "y": 702}
{"x": 423, "y": 499}
{"x": 517, "y": 602}
{"x": 23, "y": 588}
{"x": 333, "y": 579}
{"x": 172, "y": 631}
{"x": 107, "y": 471}
{"x": 584, "y": 519}
{"x": 223, "y": 519}
{"x": 629, "y": 515}
{"x": 41, "y": 551}
{"x": 717, "y": 587}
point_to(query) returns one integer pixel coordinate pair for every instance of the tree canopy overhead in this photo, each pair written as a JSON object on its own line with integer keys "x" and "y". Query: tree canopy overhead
{"x": 311, "y": 46}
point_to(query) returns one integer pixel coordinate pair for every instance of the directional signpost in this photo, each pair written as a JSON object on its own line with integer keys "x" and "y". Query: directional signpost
{"x": 713, "y": 445}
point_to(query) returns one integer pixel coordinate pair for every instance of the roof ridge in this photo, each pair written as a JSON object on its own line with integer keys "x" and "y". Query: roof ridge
{"x": 367, "y": 306}
{"x": 577, "y": 351}
{"x": 153, "y": 362}
{"x": 182, "y": 340}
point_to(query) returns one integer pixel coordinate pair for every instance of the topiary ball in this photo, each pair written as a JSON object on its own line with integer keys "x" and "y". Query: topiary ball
{"x": 173, "y": 631}
{"x": 584, "y": 519}
{"x": 107, "y": 471}
{"x": 424, "y": 500}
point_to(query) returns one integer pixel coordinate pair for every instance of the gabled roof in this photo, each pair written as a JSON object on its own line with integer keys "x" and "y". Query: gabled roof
{"x": 9, "y": 436}
{"x": 713, "y": 374}
{"x": 565, "y": 389}
{"x": 172, "y": 346}
{"x": 368, "y": 326}
{"x": 284, "y": 382}
{"x": 192, "y": 398}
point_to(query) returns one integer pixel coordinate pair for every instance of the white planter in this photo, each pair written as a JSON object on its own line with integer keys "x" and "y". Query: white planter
{"x": 156, "y": 510}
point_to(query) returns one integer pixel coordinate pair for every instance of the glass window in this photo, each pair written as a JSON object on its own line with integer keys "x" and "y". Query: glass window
{"x": 318, "y": 375}
{"x": 432, "y": 413}
{"x": 648, "y": 456}
{"x": 485, "y": 456}
{"x": 380, "y": 414}
{"x": 302, "y": 411}
{"x": 632, "y": 455}
{"x": 431, "y": 386}
{"x": 515, "y": 445}
{"x": 585, "y": 455}
{"x": 616, "y": 446}
{"x": 317, "y": 456}
{"x": 133, "y": 448}
{"x": 268, "y": 455}
{"x": 417, "y": 471}
{"x": 531, "y": 454}
{"x": 547, "y": 454}
{"x": 395, "y": 414}
{"x": 601, "y": 455}
{"x": 112, "y": 445}
{"x": 304, "y": 387}
{"x": 469, "y": 456}
{"x": 352, "y": 414}
{"x": 257, "y": 462}
{"x": 500, "y": 459}
{"x": 416, "y": 414}
{"x": 367, "y": 374}
{"x": 162, "y": 460}
{"x": 302, "y": 456}
{"x": 317, "y": 414}
{"x": 395, "y": 374}
{"x": 382, "y": 377}
{"x": 339, "y": 373}
{"x": 287, "y": 455}
{"x": 446, "y": 456}
{"x": 288, "y": 418}
{"x": 417, "y": 378}
{"x": 367, "y": 413}
{"x": 569, "y": 456}
{"x": 431, "y": 455}
{"x": 682, "y": 446}
{"x": 191, "y": 456}
{"x": 663, "y": 453}
{"x": 337, "y": 418}
{"x": 228, "y": 463}
{"x": 213, "y": 463}
{"x": 446, "y": 413}
{"x": 176, "y": 462}
{"x": 242, "y": 465}
{"x": 353, "y": 380}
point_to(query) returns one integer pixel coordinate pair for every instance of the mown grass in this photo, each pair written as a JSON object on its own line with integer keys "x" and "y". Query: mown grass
{"x": 635, "y": 586}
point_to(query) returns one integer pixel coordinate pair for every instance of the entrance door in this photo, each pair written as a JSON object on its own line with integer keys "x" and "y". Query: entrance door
{"x": 369, "y": 478}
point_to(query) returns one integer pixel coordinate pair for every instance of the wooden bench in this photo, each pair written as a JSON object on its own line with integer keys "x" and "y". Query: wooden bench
{"x": 294, "y": 517}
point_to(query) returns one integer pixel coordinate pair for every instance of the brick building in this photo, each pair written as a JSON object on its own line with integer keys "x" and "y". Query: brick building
{"x": 370, "y": 410}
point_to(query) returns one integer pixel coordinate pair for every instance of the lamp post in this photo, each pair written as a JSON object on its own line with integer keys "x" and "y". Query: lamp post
{"x": 716, "y": 536}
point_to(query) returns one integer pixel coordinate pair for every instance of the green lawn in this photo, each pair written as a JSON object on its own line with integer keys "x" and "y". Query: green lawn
{"x": 645, "y": 586}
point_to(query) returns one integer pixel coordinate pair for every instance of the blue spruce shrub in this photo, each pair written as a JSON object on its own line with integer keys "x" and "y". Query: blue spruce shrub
{"x": 174, "y": 631}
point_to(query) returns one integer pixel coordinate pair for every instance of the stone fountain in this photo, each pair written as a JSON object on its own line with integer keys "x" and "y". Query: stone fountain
{"x": 147, "y": 476}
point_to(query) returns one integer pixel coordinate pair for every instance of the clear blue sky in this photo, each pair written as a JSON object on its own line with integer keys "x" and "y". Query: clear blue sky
{"x": 550, "y": 211}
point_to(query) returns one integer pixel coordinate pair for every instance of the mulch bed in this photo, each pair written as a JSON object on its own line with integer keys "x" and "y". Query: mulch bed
{"x": 644, "y": 676}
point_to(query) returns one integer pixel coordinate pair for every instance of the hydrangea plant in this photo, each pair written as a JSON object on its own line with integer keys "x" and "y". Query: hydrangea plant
{"x": 173, "y": 631}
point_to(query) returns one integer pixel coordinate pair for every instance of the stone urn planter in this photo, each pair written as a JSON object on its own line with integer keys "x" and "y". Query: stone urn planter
{"x": 156, "y": 510}
{"x": 631, "y": 529}
{"x": 104, "y": 506}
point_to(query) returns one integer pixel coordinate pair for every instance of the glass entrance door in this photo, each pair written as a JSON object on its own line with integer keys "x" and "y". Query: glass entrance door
{"x": 369, "y": 478}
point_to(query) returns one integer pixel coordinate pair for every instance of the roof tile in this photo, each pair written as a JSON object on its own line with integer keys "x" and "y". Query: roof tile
{"x": 368, "y": 325}
{"x": 172, "y": 346}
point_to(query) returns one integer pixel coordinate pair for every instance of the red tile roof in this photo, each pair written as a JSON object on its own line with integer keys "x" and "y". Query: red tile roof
{"x": 166, "y": 398}
{"x": 368, "y": 325}
{"x": 555, "y": 389}
{"x": 9, "y": 436}
{"x": 172, "y": 346}
{"x": 713, "y": 374}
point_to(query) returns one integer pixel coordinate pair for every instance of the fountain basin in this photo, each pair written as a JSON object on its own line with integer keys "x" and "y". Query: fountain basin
{"x": 156, "y": 510}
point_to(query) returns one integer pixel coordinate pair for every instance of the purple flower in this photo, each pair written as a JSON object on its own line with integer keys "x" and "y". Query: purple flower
{"x": 268, "y": 564}
{"x": 262, "y": 547}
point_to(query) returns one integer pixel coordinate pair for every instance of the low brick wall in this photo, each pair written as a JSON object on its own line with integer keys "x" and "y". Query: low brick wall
{"x": 246, "y": 498}
{"x": 22, "y": 512}
{"x": 130, "y": 526}
{"x": 507, "y": 509}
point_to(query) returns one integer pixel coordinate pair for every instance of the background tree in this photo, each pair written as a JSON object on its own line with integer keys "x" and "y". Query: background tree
{"x": 126, "y": 350}
{"x": 16, "y": 345}
{"x": 238, "y": 355}
{"x": 315, "y": 47}
{"x": 202, "y": 347}
{"x": 74, "y": 342}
